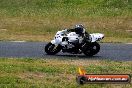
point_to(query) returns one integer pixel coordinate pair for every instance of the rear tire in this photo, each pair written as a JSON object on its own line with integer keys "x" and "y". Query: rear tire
{"x": 91, "y": 49}
{"x": 49, "y": 49}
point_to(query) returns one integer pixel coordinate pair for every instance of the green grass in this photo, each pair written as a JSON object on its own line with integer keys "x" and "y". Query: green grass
{"x": 39, "y": 20}
{"x": 57, "y": 72}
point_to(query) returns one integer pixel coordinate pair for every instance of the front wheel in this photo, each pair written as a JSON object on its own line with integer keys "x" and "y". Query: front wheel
{"x": 91, "y": 49}
{"x": 52, "y": 49}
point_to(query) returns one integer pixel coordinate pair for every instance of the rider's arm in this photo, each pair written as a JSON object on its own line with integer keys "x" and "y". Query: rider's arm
{"x": 86, "y": 33}
{"x": 71, "y": 30}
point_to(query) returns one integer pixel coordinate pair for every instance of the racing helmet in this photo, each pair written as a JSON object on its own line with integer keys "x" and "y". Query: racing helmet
{"x": 79, "y": 29}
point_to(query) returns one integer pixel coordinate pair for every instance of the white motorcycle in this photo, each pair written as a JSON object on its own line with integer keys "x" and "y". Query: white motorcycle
{"x": 72, "y": 43}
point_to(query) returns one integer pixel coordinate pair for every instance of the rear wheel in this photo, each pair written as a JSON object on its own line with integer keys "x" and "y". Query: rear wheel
{"x": 52, "y": 49}
{"x": 91, "y": 49}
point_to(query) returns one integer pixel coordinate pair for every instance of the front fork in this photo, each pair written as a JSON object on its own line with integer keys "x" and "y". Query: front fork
{"x": 54, "y": 43}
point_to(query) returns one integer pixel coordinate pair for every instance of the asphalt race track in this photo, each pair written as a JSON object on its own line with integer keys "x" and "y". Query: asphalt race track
{"x": 110, "y": 51}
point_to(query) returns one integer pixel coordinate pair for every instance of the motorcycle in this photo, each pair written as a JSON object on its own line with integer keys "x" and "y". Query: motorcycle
{"x": 72, "y": 43}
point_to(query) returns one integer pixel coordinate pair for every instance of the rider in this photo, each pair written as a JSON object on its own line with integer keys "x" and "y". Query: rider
{"x": 80, "y": 30}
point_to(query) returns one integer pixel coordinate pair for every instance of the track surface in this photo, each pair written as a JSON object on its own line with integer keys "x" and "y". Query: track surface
{"x": 36, "y": 49}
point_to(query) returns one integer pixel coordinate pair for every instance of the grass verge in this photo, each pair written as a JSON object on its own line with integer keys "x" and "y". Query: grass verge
{"x": 39, "y": 20}
{"x": 57, "y": 73}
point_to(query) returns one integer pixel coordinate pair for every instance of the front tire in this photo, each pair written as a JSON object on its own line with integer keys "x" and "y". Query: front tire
{"x": 91, "y": 49}
{"x": 51, "y": 49}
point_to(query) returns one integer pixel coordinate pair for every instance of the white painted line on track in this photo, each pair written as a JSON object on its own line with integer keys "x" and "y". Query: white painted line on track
{"x": 128, "y": 43}
{"x": 18, "y": 41}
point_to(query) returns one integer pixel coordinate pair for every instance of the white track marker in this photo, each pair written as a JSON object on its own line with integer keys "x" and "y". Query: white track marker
{"x": 18, "y": 41}
{"x": 128, "y": 43}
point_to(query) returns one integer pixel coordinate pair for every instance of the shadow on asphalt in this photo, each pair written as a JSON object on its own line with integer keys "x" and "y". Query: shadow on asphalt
{"x": 73, "y": 56}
